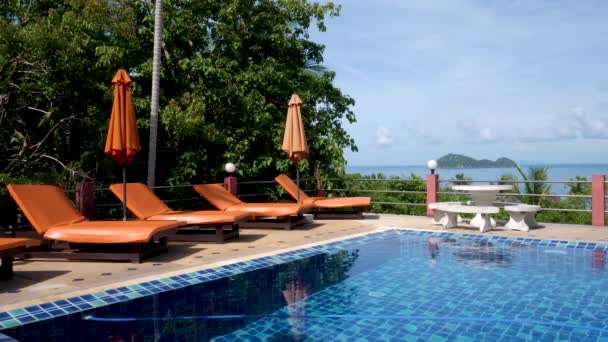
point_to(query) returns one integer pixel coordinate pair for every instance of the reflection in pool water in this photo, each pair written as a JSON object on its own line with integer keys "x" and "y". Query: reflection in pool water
{"x": 479, "y": 252}
{"x": 392, "y": 288}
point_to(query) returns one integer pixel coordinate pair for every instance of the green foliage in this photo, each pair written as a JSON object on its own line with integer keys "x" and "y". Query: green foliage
{"x": 533, "y": 185}
{"x": 460, "y": 179}
{"x": 228, "y": 71}
{"x": 510, "y": 179}
{"x": 577, "y": 187}
{"x": 397, "y": 190}
{"x": 391, "y": 190}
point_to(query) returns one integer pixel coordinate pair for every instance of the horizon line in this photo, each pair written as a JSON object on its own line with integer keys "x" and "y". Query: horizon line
{"x": 523, "y": 163}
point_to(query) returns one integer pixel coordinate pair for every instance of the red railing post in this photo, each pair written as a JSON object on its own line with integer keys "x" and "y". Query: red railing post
{"x": 85, "y": 199}
{"x": 230, "y": 184}
{"x": 598, "y": 200}
{"x": 432, "y": 186}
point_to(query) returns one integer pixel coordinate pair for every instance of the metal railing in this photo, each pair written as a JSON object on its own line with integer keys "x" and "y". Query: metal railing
{"x": 445, "y": 192}
{"x": 509, "y": 181}
{"x": 269, "y": 193}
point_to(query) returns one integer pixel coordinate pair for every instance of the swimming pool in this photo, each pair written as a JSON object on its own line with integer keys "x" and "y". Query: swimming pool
{"x": 393, "y": 285}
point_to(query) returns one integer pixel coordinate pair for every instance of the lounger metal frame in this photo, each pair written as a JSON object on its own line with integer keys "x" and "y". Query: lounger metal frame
{"x": 283, "y": 222}
{"x": 198, "y": 233}
{"x": 7, "y": 256}
{"x": 338, "y": 214}
{"x": 132, "y": 252}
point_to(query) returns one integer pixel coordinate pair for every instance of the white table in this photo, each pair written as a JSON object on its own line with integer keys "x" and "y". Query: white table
{"x": 482, "y": 195}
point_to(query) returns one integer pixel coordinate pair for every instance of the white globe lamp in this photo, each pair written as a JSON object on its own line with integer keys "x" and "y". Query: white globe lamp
{"x": 230, "y": 167}
{"x": 432, "y": 165}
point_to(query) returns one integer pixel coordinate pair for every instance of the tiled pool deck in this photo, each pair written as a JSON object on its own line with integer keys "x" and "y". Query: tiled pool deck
{"x": 86, "y": 284}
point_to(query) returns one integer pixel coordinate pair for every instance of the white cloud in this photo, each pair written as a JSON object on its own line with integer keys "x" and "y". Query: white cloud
{"x": 577, "y": 125}
{"x": 428, "y": 135}
{"x": 471, "y": 131}
{"x": 384, "y": 136}
{"x": 485, "y": 76}
{"x": 590, "y": 128}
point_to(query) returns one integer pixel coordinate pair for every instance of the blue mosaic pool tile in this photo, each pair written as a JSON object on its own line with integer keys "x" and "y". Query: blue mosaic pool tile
{"x": 23, "y": 319}
{"x": 9, "y": 323}
{"x": 37, "y": 312}
{"x": 53, "y": 309}
{"x": 75, "y": 304}
{"x": 122, "y": 298}
{"x": 144, "y": 293}
{"x": 4, "y": 338}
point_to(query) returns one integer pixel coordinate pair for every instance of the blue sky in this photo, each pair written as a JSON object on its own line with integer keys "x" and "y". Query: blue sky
{"x": 524, "y": 79}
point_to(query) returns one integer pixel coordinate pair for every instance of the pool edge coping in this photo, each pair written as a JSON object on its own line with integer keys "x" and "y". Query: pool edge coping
{"x": 181, "y": 271}
{"x": 34, "y": 311}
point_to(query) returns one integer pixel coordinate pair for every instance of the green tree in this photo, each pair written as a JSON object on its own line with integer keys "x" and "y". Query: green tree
{"x": 510, "y": 179}
{"x": 228, "y": 70}
{"x": 461, "y": 179}
{"x": 49, "y": 117}
{"x": 388, "y": 193}
{"x": 580, "y": 185}
{"x": 533, "y": 184}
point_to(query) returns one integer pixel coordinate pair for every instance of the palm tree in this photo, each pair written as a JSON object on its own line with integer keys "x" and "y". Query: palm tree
{"x": 533, "y": 183}
{"x": 509, "y": 179}
{"x": 158, "y": 40}
{"x": 580, "y": 186}
{"x": 460, "y": 179}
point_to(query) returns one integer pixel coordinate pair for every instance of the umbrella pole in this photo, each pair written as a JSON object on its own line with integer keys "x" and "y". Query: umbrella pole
{"x": 298, "y": 183}
{"x": 124, "y": 193}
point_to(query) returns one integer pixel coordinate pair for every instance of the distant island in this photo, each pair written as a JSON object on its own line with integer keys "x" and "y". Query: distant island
{"x": 458, "y": 161}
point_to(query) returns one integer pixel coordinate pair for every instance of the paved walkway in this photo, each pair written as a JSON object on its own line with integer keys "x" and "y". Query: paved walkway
{"x": 41, "y": 281}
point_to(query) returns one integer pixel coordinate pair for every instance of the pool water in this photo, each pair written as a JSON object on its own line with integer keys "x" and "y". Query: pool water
{"x": 446, "y": 289}
{"x": 397, "y": 286}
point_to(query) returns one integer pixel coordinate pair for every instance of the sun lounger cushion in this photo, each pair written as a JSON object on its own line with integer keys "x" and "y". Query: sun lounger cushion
{"x": 44, "y": 206}
{"x": 321, "y": 202}
{"x": 218, "y": 196}
{"x": 202, "y": 217}
{"x": 342, "y": 202}
{"x": 52, "y": 214}
{"x": 147, "y": 206}
{"x": 13, "y": 243}
{"x": 271, "y": 209}
{"x": 110, "y": 231}
{"x": 140, "y": 200}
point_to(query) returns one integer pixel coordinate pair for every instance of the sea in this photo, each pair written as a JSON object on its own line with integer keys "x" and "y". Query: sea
{"x": 556, "y": 172}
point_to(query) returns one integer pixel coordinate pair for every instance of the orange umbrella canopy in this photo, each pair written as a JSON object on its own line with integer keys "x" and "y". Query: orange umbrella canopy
{"x": 123, "y": 139}
{"x": 294, "y": 140}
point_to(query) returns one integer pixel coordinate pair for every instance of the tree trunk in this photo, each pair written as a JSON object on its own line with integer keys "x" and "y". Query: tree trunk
{"x": 158, "y": 33}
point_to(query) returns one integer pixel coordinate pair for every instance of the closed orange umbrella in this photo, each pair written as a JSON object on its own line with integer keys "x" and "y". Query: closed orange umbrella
{"x": 123, "y": 139}
{"x": 294, "y": 140}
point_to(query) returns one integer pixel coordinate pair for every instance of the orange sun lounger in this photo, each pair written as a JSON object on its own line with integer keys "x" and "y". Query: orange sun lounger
{"x": 337, "y": 207}
{"x": 9, "y": 248}
{"x": 286, "y": 215}
{"x": 58, "y": 222}
{"x": 147, "y": 206}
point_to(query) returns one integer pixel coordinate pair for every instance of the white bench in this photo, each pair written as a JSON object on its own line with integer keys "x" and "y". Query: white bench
{"x": 439, "y": 216}
{"x": 447, "y": 214}
{"x": 521, "y": 216}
